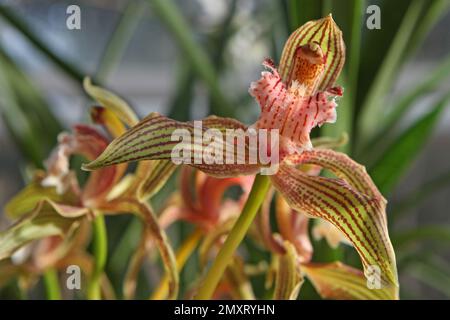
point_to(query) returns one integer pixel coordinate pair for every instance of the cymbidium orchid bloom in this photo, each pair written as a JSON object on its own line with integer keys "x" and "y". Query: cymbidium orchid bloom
{"x": 293, "y": 99}
{"x": 54, "y": 207}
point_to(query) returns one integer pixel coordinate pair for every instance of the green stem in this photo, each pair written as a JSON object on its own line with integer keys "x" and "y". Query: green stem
{"x": 237, "y": 234}
{"x": 51, "y": 284}
{"x": 100, "y": 254}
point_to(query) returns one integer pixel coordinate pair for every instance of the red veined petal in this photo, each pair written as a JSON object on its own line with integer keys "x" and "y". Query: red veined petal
{"x": 152, "y": 139}
{"x": 359, "y": 216}
{"x": 327, "y": 35}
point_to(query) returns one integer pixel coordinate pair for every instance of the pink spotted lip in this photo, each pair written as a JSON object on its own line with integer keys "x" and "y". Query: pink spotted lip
{"x": 290, "y": 111}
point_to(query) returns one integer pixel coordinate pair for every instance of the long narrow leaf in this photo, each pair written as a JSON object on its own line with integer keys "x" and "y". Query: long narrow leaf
{"x": 172, "y": 17}
{"x": 120, "y": 38}
{"x": 421, "y": 193}
{"x": 394, "y": 162}
{"x": 438, "y": 233}
{"x": 373, "y": 104}
{"x": 16, "y": 22}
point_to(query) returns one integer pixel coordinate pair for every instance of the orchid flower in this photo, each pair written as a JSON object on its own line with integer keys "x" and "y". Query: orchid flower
{"x": 205, "y": 207}
{"x": 294, "y": 98}
{"x": 54, "y": 208}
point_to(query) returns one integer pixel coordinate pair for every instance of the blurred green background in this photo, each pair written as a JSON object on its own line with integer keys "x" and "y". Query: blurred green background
{"x": 191, "y": 58}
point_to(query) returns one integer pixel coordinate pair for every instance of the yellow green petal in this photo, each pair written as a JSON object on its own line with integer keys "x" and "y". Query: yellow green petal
{"x": 350, "y": 202}
{"x": 328, "y": 36}
{"x": 112, "y": 102}
{"x": 42, "y": 222}
{"x": 338, "y": 281}
{"x": 151, "y": 139}
{"x": 288, "y": 279}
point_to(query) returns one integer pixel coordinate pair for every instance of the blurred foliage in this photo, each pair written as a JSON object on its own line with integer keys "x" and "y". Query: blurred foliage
{"x": 367, "y": 112}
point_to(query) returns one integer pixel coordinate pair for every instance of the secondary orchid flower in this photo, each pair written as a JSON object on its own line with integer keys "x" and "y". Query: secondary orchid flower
{"x": 293, "y": 99}
{"x": 201, "y": 200}
{"x": 54, "y": 206}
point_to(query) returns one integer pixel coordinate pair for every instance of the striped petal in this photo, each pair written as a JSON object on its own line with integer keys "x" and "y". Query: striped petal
{"x": 350, "y": 202}
{"x": 338, "y": 281}
{"x": 156, "y": 178}
{"x": 300, "y": 59}
{"x": 288, "y": 278}
{"x": 157, "y": 172}
{"x": 156, "y": 138}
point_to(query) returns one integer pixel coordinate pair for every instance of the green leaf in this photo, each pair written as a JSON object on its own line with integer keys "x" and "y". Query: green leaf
{"x": 418, "y": 195}
{"x": 436, "y": 233}
{"x": 16, "y": 22}
{"x": 177, "y": 24}
{"x": 433, "y": 11}
{"x": 183, "y": 96}
{"x": 348, "y": 14}
{"x": 433, "y": 274}
{"x": 394, "y": 162}
{"x": 374, "y": 101}
{"x": 120, "y": 38}
{"x": 302, "y": 11}
{"x": 33, "y": 104}
{"x": 401, "y": 107}
{"x": 18, "y": 123}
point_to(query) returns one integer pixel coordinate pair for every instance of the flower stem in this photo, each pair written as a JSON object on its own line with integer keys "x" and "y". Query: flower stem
{"x": 237, "y": 234}
{"x": 51, "y": 284}
{"x": 100, "y": 254}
